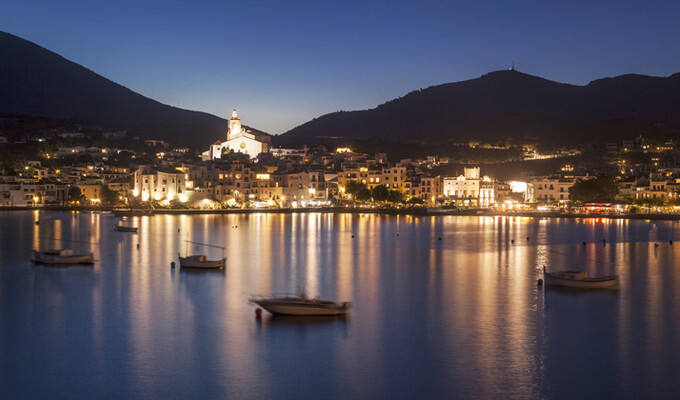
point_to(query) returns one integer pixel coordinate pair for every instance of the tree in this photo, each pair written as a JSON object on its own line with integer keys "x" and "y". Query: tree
{"x": 75, "y": 194}
{"x": 416, "y": 200}
{"x": 364, "y": 194}
{"x": 109, "y": 196}
{"x": 380, "y": 193}
{"x": 353, "y": 187}
{"x": 601, "y": 189}
{"x": 395, "y": 196}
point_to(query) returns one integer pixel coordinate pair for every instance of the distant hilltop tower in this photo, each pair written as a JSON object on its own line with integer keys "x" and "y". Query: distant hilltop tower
{"x": 511, "y": 68}
{"x": 234, "y": 126}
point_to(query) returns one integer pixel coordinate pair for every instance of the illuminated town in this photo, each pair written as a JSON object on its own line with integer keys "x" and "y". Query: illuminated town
{"x": 339, "y": 200}
{"x": 245, "y": 172}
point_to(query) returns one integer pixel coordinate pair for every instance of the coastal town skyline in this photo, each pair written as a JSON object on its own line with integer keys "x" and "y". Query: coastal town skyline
{"x": 284, "y": 65}
{"x": 339, "y": 200}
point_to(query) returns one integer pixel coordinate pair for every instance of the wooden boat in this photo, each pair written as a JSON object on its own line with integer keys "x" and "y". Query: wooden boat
{"x": 201, "y": 261}
{"x": 300, "y": 305}
{"x": 125, "y": 228}
{"x": 63, "y": 256}
{"x": 579, "y": 279}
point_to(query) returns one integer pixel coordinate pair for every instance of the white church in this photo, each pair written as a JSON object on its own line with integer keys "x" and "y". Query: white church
{"x": 239, "y": 141}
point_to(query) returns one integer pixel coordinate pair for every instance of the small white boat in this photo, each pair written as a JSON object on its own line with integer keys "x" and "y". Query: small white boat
{"x": 301, "y": 305}
{"x": 201, "y": 261}
{"x": 579, "y": 279}
{"x": 63, "y": 256}
{"x": 125, "y": 228}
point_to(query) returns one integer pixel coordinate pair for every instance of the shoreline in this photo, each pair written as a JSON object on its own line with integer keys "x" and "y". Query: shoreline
{"x": 420, "y": 212}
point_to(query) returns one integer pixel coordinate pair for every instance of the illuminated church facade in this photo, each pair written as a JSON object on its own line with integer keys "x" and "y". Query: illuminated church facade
{"x": 238, "y": 141}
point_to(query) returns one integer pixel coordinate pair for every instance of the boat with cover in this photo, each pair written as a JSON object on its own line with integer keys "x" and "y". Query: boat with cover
{"x": 579, "y": 279}
{"x": 62, "y": 256}
{"x": 201, "y": 261}
{"x": 300, "y": 304}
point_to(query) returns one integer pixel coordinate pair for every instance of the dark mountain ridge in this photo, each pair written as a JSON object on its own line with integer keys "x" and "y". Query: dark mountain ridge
{"x": 511, "y": 104}
{"x": 36, "y": 81}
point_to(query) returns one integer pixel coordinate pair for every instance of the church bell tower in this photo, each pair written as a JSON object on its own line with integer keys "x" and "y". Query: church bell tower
{"x": 234, "y": 126}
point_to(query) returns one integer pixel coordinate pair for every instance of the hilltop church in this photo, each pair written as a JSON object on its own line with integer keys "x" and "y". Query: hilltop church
{"x": 239, "y": 141}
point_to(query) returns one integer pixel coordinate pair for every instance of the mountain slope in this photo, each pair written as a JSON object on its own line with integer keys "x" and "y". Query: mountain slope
{"x": 509, "y": 104}
{"x": 36, "y": 81}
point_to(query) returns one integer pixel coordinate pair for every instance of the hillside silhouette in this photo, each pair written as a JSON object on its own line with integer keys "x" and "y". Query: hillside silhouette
{"x": 511, "y": 104}
{"x": 36, "y": 81}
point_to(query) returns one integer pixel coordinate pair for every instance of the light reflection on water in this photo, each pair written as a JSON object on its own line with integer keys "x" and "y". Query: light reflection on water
{"x": 457, "y": 317}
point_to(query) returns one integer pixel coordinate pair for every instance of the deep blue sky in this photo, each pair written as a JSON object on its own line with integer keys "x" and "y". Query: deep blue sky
{"x": 281, "y": 63}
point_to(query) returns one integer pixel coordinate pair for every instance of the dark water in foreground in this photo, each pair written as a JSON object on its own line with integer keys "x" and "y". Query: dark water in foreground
{"x": 456, "y": 318}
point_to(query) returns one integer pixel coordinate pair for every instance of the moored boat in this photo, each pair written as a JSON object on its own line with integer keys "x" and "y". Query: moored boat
{"x": 201, "y": 261}
{"x": 579, "y": 279}
{"x": 125, "y": 228}
{"x": 63, "y": 256}
{"x": 301, "y": 305}
{"x": 129, "y": 212}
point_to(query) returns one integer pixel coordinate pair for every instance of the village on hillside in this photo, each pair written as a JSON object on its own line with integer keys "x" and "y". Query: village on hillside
{"x": 245, "y": 172}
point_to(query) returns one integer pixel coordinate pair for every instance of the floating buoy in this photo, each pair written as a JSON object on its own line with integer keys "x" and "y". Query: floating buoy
{"x": 258, "y": 313}
{"x": 172, "y": 264}
{"x": 540, "y": 281}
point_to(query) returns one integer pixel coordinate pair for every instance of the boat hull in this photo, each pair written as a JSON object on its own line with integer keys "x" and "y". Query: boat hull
{"x": 132, "y": 229}
{"x": 586, "y": 283}
{"x": 55, "y": 259}
{"x": 278, "y": 307}
{"x": 188, "y": 262}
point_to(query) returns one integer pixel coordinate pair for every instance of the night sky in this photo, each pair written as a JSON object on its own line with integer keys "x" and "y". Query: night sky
{"x": 282, "y": 63}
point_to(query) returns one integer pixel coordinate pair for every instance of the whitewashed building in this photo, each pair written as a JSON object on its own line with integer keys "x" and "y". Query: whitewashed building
{"x": 552, "y": 188}
{"x": 238, "y": 141}
{"x": 160, "y": 185}
{"x": 469, "y": 189}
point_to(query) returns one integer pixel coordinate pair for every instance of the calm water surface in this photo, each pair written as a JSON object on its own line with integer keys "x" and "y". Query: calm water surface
{"x": 460, "y": 317}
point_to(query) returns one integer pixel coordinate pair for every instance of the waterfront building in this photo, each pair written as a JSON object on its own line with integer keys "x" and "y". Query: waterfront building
{"x": 396, "y": 178}
{"x": 469, "y": 189}
{"x": 91, "y": 191}
{"x": 427, "y": 188}
{"x": 302, "y": 188}
{"x": 32, "y": 194}
{"x": 553, "y": 188}
{"x": 159, "y": 184}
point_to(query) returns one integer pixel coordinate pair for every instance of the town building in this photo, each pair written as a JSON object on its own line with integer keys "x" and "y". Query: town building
{"x": 32, "y": 194}
{"x": 159, "y": 185}
{"x": 552, "y": 188}
{"x": 469, "y": 189}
